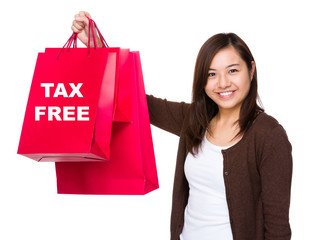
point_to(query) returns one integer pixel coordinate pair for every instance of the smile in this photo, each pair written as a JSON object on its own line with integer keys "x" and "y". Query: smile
{"x": 226, "y": 94}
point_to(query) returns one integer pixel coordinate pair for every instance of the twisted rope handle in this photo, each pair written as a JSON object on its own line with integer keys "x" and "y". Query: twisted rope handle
{"x": 72, "y": 41}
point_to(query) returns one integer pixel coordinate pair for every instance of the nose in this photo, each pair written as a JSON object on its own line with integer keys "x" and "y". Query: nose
{"x": 223, "y": 82}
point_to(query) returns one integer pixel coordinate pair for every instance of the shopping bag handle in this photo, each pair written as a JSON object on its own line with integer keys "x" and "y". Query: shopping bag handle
{"x": 72, "y": 41}
{"x": 103, "y": 41}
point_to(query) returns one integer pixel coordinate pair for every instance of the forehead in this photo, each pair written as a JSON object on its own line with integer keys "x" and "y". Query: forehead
{"x": 226, "y": 57}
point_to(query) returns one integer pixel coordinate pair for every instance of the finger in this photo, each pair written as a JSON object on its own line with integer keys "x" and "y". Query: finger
{"x": 78, "y": 25}
{"x": 82, "y": 19}
{"x": 75, "y": 30}
{"x": 84, "y": 14}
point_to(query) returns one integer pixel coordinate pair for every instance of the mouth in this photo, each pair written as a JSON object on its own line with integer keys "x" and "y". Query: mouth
{"x": 226, "y": 94}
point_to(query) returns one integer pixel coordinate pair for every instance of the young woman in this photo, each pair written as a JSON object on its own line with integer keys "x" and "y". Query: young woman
{"x": 234, "y": 163}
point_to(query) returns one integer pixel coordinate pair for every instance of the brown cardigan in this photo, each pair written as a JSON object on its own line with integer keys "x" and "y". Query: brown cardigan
{"x": 257, "y": 175}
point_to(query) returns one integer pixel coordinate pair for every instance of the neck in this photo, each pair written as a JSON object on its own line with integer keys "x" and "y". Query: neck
{"x": 225, "y": 125}
{"x": 226, "y": 116}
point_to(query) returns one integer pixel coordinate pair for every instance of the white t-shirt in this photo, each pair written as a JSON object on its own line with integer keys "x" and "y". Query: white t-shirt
{"x": 206, "y": 214}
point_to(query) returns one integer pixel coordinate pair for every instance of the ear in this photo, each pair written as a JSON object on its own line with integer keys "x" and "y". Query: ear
{"x": 252, "y": 70}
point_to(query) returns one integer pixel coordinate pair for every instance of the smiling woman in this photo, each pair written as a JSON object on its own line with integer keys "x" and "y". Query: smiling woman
{"x": 224, "y": 89}
{"x": 234, "y": 162}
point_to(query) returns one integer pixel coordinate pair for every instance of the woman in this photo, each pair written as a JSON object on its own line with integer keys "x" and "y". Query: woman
{"x": 234, "y": 163}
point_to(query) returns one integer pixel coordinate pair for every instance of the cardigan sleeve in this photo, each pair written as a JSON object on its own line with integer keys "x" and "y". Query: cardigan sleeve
{"x": 276, "y": 176}
{"x": 167, "y": 115}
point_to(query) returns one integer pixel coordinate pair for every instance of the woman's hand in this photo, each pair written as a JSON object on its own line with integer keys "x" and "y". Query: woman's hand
{"x": 81, "y": 27}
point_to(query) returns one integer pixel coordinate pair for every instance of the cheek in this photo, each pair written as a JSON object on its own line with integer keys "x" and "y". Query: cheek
{"x": 245, "y": 83}
{"x": 246, "y": 89}
{"x": 209, "y": 87}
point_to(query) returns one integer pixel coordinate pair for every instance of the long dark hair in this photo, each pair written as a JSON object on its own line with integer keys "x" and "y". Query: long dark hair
{"x": 203, "y": 109}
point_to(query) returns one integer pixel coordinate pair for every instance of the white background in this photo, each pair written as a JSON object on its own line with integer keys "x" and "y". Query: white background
{"x": 288, "y": 40}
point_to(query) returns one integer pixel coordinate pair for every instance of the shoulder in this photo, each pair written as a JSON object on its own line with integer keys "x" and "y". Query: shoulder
{"x": 267, "y": 131}
{"x": 266, "y": 124}
{"x": 269, "y": 140}
{"x": 266, "y": 128}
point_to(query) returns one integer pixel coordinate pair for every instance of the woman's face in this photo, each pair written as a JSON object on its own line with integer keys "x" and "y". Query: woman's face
{"x": 229, "y": 79}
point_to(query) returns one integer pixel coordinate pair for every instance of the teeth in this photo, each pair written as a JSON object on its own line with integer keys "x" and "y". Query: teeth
{"x": 225, "y": 93}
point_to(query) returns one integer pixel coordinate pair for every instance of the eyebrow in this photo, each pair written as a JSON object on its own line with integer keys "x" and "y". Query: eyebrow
{"x": 231, "y": 65}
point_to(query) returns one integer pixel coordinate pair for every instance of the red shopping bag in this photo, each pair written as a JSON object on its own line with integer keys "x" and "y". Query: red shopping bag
{"x": 69, "y": 111}
{"x": 73, "y": 100}
{"x": 131, "y": 169}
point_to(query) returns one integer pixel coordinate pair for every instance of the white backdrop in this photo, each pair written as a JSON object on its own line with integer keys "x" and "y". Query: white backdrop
{"x": 288, "y": 40}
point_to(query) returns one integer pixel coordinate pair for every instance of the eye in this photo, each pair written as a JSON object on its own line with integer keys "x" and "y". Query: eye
{"x": 211, "y": 74}
{"x": 233, "y": 71}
